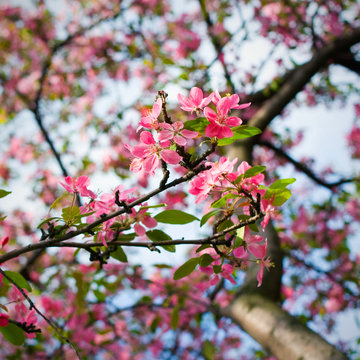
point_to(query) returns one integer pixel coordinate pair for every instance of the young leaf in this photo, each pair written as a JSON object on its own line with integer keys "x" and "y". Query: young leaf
{"x": 252, "y": 227}
{"x": 208, "y": 350}
{"x": 119, "y": 254}
{"x": 240, "y": 132}
{"x": 174, "y": 321}
{"x": 152, "y": 206}
{"x": 186, "y": 268}
{"x": 202, "y": 247}
{"x": 282, "y": 183}
{"x": 222, "y": 201}
{"x": 46, "y": 221}
{"x": 207, "y": 216}
{"x": 4, "y": 193}
{"x": 70, "y": 213}
{"x": 18, "y": 279}
{"x": 57, "y": 201}
{"x": 13, "y": 334}
{"x": 175, "y": 217}
{"x": 255, "y": 170}
{"x": 278, "y": 196}
{"x": 198, "y": 124}
{"x": 158, "y": 235}
{"x": 126, "y": 237}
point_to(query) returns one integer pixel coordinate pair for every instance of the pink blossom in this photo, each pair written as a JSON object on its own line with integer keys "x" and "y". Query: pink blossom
{"x": 233, "y": 100}
{"x": 195, "y": 102}
{"x": 4, "y": 241}
{"x": 4, "y": 320}
{"x": 78, "y": 186}
{"x": 150, "y": 120}
{"x": 264, "y": 262}
{"x": 148, "y": 154}
{"x": 174, "y": 132}
{"x": 202, "y": 184}
{"x": 143, "y": 217}
{"x": 220, "y": 122}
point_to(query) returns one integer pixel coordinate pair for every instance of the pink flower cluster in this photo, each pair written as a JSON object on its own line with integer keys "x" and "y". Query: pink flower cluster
{"x": 220, "y": 122}
{"x": 220, "y": 178}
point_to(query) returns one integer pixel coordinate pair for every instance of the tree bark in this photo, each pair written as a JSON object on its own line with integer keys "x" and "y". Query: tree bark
{"x": 279, "y": 333}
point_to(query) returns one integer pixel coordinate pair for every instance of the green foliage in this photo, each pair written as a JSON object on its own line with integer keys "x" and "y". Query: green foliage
{"x": 222, "y": 201}
{"x": 158, "y": 236}
{"x": 255, "y": 170}
{"x": 198, "y": 124}
{"x": 186, "y": 269}
{"x": 4, "y": 193}
{"x": 13, "y": 334}
{"x": 208, "y": 350}
{"x": 18, "y": 279}
{"x": 119, "y": 254}
{"x": 207, "y": 216}
{"x": 240, "y": 132}
{"x": 175, "y": 217}
{"x": 278, "y": 193}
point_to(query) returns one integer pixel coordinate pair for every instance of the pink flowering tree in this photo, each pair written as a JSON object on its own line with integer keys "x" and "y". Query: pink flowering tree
{"x": 132, "y": 130}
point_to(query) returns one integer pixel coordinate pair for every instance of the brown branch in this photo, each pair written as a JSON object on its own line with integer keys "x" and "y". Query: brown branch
{"x": 216, "y": 43}
{"x": 304, "y": 169}
{"x": 330, "y": 274}
{"x": 33, "y": 306}
{"x": 88, "y": 229}
{"x": 300, "y": 76}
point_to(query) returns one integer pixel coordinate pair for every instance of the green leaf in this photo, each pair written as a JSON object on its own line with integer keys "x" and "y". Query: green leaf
{"x": 4, "y": 193}
{"x": 240, "y": 232}
{"x": 13, "y": 334}
{"x": 255, "y": 170}
{"x": 225, "y": 225}
{"x": 253, "y": 226}
{"x": 186, "y": 268}
{"x": 217, "y": 269}
{"x": 238, "y": 242}
{"x": 208, "y": 350}
{"x": 154, "y": 324}
{"x": 207, "y": 216}
{"x": 240, "y": 132}
{"x": 100, "y": 296}
{"x": 239, "y": 237}
{"x": 18, "y": 279}
{"x": 152, "y": 206}
{"x": 206, "y": 260}
{"x": 46, "y": 221}
{"x": 282, "y": 183}
{"x": 222, "y": 201}
{"x": 175, "y": 217}
{"x": 203, "y": 247}
{"x": 70, "y": 213}
{"x": 3, "y": 218}
{"x": 158, "y": 236}
{"x": 126, "y": 237}
{"x": 198, "y": 124}
{"x": 119, "y": 254}
{"x": 56, "y": 202}
{"x": 278, "y": 196}
{"x": 174, "y": 320}
{"x": 163, "y": 266}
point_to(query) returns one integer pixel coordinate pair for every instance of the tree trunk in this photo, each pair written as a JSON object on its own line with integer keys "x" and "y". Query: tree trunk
{"x": 279, "y": 333}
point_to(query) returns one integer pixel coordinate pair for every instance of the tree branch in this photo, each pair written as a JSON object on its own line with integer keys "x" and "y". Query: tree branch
{"x": 304, "y": 169}
{"x": 33, "y": 306}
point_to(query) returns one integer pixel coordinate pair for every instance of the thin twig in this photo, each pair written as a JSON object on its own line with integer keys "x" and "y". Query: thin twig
{"x": 304, "y": 169}
{"x": 33, "y": 306}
